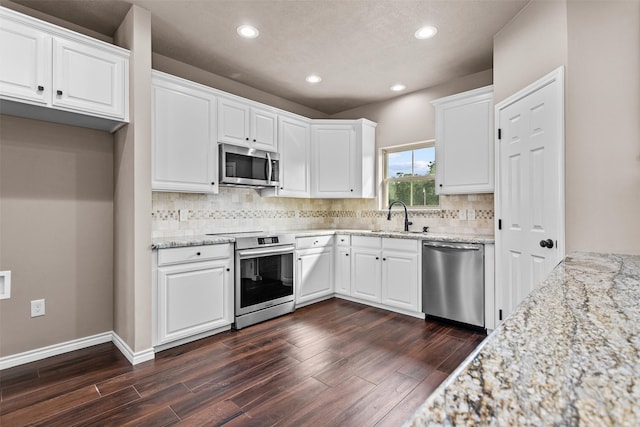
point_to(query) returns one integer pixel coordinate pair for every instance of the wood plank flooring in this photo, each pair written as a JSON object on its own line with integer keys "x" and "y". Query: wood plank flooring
{"x": 332, "y": 363}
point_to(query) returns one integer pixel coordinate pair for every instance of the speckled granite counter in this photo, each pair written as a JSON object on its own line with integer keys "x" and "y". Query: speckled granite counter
{"x": 568, "y": 355}
{"x": 176, "y": 242}
{"x": 179, "y": 242}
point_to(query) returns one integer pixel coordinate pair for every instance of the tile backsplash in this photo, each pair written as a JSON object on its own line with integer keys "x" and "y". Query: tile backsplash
{"x": 238, "y": 209}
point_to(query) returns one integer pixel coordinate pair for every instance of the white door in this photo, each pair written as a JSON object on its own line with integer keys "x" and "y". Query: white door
{"x": 88, "y": 79}
{"x": 530, "y": 200}
{"x": 334, "y": 149}
{"x": 25, "y": 55}
{"x": 315, "y": 274}
{"x": 365, "y": 274}
{"x": 264, "y": 129}
{"x": 343, "y": 271}
{"x": 233, "y": 122}
{"x": 400, "y": 280}
{"x": 193, "y": 298}
{"x": 294, "y": 157}
{"x": 184, "y": 144}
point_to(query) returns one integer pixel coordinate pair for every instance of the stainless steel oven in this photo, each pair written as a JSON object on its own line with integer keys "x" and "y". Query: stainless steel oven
{"x": 264, "y": 277}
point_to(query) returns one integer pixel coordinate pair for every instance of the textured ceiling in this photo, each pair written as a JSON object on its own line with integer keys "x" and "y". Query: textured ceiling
{"x": 359, "y": 47}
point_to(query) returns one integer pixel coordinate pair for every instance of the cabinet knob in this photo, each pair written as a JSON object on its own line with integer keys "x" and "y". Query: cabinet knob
{"x": 346, "y": 254}
{"x": 59, "y": 92}
{"x": 228, "y": 269}
{"x": 40, "y": 88}
{"x": 247, "y": 139}
{"x": 254, "y": 140}
{"x": 299, "y": 259}
{"x": 213, "y": 183}
{"x": 377, "y": 257}
{"x": 440, "y": 185}
{"x": 352, "y": 189}
{"x": 282, "y": 188}
{"x": 198, "y": 253}
{"x": 384, "y": 259}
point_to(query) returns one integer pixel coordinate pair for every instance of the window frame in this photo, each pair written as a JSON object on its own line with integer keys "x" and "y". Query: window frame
{"x": 385, "y": 180}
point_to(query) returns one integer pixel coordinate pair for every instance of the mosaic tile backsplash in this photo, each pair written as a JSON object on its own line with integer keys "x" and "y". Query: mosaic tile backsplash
{"x": 238, "y": 209}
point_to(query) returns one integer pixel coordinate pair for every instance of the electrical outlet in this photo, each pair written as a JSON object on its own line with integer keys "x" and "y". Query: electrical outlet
{"x": 37, "y": 308}
{"x": 183, "y": 214}
{"x": 471, "y": 214}
{"x": 462, "y": 214}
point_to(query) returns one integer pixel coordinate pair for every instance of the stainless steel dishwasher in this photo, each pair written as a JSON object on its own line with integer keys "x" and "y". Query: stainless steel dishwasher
{"x": 453, "y": 281}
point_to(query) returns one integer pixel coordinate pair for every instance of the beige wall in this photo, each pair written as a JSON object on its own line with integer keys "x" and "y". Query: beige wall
{"x": 56, "y": 228}
{"x": 533, "y": 44}
{"x": 132, "y": 170}
{"x": 411, "y": 117}
{"x": 603, "y": 127}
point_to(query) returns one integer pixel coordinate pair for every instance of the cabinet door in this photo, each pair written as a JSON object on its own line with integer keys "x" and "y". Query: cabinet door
{"x": 194, "y": 298}
{"x": 25, "y": 55}
{"x": 334, "y": 154}
{"x": 314, "y": 274}
{"x": 464, "y": 143}
{"x": 365, "y": 274}
{"x": 233, "y": 122}
{"x": 343, "y": 271}
{"x": 185, "y": 157}
{"x": 264, "y": 130}
{"x": 400, "y": 280}
{"x": 89, "y": 79}
{"x": 294, "y": 157}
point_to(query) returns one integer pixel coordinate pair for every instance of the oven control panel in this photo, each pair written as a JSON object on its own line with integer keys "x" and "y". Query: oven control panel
{"x": 268, "y": 240}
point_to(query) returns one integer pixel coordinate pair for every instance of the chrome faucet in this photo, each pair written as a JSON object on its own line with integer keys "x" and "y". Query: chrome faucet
{"x": 406, "y": 215}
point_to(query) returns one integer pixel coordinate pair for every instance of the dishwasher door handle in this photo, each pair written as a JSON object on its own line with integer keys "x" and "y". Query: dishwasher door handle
{"x": 452, "y": 246}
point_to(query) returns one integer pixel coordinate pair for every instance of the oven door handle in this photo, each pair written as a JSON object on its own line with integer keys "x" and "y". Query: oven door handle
{"x": 279, "y": 250}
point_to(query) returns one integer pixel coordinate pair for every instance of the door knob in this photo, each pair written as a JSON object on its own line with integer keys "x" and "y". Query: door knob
{"x": 546, "y": 243}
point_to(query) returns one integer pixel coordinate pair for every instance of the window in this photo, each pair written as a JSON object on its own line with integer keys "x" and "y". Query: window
{"x": 409, "y": 175}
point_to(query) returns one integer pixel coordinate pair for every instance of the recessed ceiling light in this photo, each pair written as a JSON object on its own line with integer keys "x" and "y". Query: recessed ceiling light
{"x": 426, "y": 32}
{"x": 398, "y": 87}
{"x": 248, "y": 31}
{"x": 313, "y": 78}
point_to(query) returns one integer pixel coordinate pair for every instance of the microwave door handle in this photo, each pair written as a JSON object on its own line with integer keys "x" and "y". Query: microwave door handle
{"x": 269, "y": 168}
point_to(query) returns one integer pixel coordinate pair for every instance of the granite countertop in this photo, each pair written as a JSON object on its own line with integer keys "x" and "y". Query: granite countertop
{"x": 568, "y": 355}
{"x": 176, "y": 242}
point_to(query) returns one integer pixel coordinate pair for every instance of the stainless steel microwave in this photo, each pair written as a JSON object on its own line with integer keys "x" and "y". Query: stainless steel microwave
{"x": 248, "y": 166}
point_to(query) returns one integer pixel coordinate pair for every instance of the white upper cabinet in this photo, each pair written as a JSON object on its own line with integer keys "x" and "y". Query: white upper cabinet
{"x": 184, "y": 148}
{"x": 242, "y": 124}
{"x": 343, "y": 153}
{"x": 294, "y": 143}
{"x": 26, "y": 54}
{"x": 464, "y": 142}
{"x": 88, "y": 79}
{"x": 67, "y": 77}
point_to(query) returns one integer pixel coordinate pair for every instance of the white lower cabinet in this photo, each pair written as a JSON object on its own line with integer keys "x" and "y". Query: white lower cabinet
{"x": 385, "y": 271}
{"x": 314, "y": 269}
{"x": 366, "y": 274}
{"x": 343, "y": 271}
{"x": 193, "y": 292}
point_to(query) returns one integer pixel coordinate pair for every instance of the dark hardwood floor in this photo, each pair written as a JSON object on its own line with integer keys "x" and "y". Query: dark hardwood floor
{"x": 331, "y": 363}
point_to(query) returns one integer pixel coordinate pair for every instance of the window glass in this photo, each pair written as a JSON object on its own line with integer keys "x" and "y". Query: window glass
{"x": 410, "y": 175}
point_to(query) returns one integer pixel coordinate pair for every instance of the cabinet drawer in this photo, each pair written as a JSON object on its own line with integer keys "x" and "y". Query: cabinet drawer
{"x": 343, "y": 240}
{"x": 366, "y": 242}
{"x": 406, "y": 245}
{"x": 194, "y": 254}
{"x": 313, "y": 241}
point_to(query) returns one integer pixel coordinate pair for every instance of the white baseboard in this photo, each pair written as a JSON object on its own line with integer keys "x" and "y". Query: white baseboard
{"x": 133, "y": 357}
{"x": 80, "y": 343}
{"x": 53, "y": 350}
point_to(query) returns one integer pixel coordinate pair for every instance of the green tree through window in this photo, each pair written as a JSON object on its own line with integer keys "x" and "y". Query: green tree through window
{"x": 410, "y": 175}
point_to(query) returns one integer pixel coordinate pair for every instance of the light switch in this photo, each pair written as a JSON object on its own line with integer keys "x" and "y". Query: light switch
{"x": 471, "y": 214}
{"x": 462, "y": 214}
{"x": 183, "y": 214}
{"x": 5, "y": 284}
